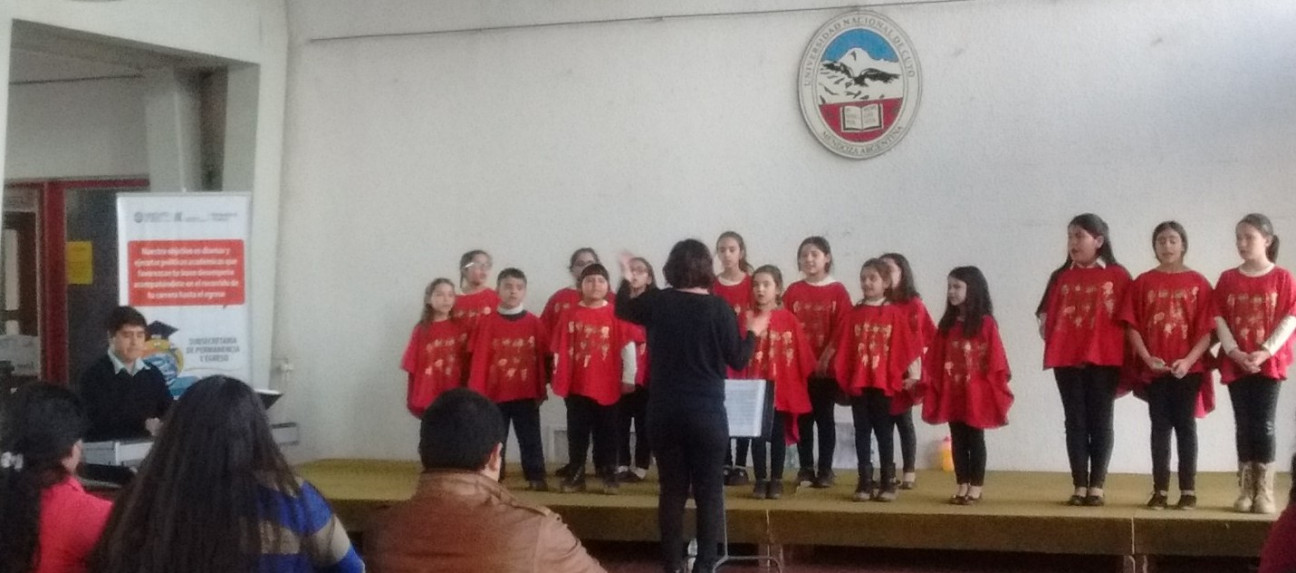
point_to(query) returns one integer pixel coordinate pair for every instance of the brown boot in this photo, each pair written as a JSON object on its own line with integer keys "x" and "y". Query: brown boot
{"x": 1246, "y": 487}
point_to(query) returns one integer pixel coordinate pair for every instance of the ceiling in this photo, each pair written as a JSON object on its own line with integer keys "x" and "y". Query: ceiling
{"x": 47, "y": 54}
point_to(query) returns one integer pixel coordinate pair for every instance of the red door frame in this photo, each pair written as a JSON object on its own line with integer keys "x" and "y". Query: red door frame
{"x": 53, "y": 266}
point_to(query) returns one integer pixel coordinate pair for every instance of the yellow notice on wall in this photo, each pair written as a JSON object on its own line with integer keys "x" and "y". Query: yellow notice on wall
{"x": 80, "y": 262}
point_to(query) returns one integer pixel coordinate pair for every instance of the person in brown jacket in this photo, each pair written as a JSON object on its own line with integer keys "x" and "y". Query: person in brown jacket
{"x": 460, "y": 517}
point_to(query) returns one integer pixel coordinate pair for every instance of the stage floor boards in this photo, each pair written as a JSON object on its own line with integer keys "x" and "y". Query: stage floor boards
{"x": 1021, "y": 512}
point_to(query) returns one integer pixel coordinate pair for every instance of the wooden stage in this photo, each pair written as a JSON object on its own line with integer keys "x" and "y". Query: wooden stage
{"x": 1021, "y": 512}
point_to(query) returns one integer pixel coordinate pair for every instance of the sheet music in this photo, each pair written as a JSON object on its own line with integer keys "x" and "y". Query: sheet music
{"x": 748, "y": 404}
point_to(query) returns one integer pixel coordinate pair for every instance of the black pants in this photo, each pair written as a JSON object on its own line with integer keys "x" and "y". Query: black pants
{"x": 634, "y": 410}
{"x": 742, "y": 445}
{"x": 777, "y": 447}
{"x": 524, "y": 415}
{"x": 586, "y": 417}
{"x": 1088, "y": 398}
{"x": 690, "y": 444}
{"x": 822, "y": 391}
{"x": 969, "y": 448}
{"x": 1255, "y": 399}
{"x": 1172, "y": 405}
{"x": 904, "y": 426}
{"x": 871, "y": 411}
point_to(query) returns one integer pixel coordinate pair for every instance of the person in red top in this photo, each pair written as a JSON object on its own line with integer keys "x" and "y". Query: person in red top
{"x": 1084, "y": 344}
{"x": 436, "y": 357}
{"x": 508, "y": 366}
{"x": 50, "y": 523}
{"x": 593, "y": 359}
{"x": 567, "y": 297}
{"x": 1256, "y": 302}
{"x": 634, "y": 399}
{"x": 1169, "y": 315}
{"x": 966, "y": 378}
{"x": 819, "y": 303}
{"x": 477, "y": 300}
{"x": 877, "y": 357}
{"x": 783, "y": 357}
{"x": 1279, "y": 552}
{"x": 905, "y": 296}
{"x": 734, "y": 285}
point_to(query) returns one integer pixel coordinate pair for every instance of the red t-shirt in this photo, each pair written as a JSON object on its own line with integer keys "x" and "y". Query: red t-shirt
{"x": 874, "y": 349}
{"x": 820, "y": 308}
{"x": 436, "y": 359}
{"x": 71, "y": 521}
{"x": 738, "y": 296}
{"x": 783, "y": 355}
{"x": 1080, "y": 326}
{"x": 508, "y": 358}
{"x": 471, "y": 308}
{"x": 923, "y": 329}
{"x": 967, "y": 378}
{"x": 1252, "y": 307}
{"x": 587, "y": 347}
{"x": 1171, "y": 312}
{"x": 559, "y": 302}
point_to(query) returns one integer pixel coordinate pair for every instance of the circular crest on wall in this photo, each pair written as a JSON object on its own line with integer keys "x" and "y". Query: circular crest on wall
{"x": 859, "y": 84}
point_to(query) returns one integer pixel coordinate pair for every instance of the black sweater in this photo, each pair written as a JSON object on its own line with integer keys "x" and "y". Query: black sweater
{"x": 691, "y": 339}
{"x": 117, "y": 403}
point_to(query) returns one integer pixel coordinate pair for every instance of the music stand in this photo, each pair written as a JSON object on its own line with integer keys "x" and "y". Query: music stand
{"x": 750, "y": 408}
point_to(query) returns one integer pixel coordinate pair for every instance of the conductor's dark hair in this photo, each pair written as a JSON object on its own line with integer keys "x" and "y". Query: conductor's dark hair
{"x": 459, "y": 431}
{"x": 689, "y": 265}
{"x": 124, "y": 316}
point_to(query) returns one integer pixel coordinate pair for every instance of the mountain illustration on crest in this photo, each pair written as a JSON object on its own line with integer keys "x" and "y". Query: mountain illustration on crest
{"x": 856, "y": 76}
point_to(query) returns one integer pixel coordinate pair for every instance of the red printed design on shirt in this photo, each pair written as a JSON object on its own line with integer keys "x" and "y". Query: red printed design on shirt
{"x": 508, "y": 358}
{"x": 967, "y": 378}
{"x": 1171, "y": 312}
{"x": 435, "y": 359}
{"x": 783, "y": 356}
{"x": 874, "y": 349}
{"x": 738, "y": 296}
{"x": 1080, "y": 326}
{"x": 820, "y": 309}
{"x": 1252, "y": 307}
{"x": 587, "y": 349}
{"x": 558, "y": 303}
{"x": 470, "y": 308}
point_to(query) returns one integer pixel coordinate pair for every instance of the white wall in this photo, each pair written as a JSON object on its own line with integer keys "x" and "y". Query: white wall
{"x": 92, "y": 128}
{"x": 403, "y": 152}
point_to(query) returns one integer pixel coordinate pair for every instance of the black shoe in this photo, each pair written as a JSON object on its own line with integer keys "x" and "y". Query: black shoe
{"x": 825, "y": 480}
{"x": 761, "y": 489}
{"x": 565, "y": 471}
{"x": 958, "y": 499}
{"x": 632, "y": 477}
{"x": 775, "y": 489}
{"x": 729, "y": 476}
{"x": 1158, "y": 501}
{"x": 538, "y": 485}
{"x": 1188, "y": 501}
{"x": 887, "y": 494}
{"x": 863, "y": 491}
{"x": 969, "y": 500}
{"x": 610, "y": 485}
{"x": 1094, "y": 501}
{"x": 805, "y": 478}
{"x": 1076, "y": 500}
{"x": 573, "y": 484}
{"x": 740, "y": 477}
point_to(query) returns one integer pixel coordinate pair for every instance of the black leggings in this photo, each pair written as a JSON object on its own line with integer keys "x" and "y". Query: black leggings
{"x": 904, "y": 426}
{"x": 690, "y": 446}
{"x": 742, "y": 445}
{"x": 634, "y": 407}
{"x": 777, "y": 449}
{"x": 525, "y": 417}
{"x": 822, "y": 392}
{"x": 586, "y": 417}
{"x": 1088, "y": 397}
{"x": 969, "y": 448}
{"x": 1172, "y": 406}
{"x": 872, "y": 413}
{"x": 1255, "y": 400}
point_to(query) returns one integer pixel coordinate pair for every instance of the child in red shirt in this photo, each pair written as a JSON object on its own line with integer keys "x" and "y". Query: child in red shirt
{"x": 634, "y": 400}
{"x": 819, "y": 303}
{"x": 905, "y": 296}
{"x": 1084, "y": 344}
{"x": 477, "y": 300}
{"x": 1256, "y": 303}
{"x": 508, "y": 362}
{"x": 593, "y": 358}
{"x": 734, "y": 285}
{"x": 566, "y": 297}
{"x": 782, "y": 356}
{"x": 967, "y": 375}
{"x": 1169, "y": 316}
{"x": 877, "y": 358}
{"x": 437, "y": 354}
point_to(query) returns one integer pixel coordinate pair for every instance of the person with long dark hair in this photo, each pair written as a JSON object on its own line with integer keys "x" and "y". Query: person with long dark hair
{"x": 48, "y": 523}
{"x": 216, "y": 495}
{"x": 693, "y": 335}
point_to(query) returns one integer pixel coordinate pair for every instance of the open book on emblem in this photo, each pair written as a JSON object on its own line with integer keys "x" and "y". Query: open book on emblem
{"x": 861, "y": 117}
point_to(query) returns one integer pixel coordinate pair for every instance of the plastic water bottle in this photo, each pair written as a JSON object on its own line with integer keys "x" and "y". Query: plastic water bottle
{"x": 947, "y": 455}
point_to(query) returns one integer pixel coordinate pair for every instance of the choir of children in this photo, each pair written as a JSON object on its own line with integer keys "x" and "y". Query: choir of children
{"x": 1102, "y": 332}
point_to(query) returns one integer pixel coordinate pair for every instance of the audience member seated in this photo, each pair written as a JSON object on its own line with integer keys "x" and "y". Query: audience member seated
{"x": 48, "y": 523}
{"x": 461, "y": 518}
{"x": 1279, "y": 553}
{"x": 215, "y": 495}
